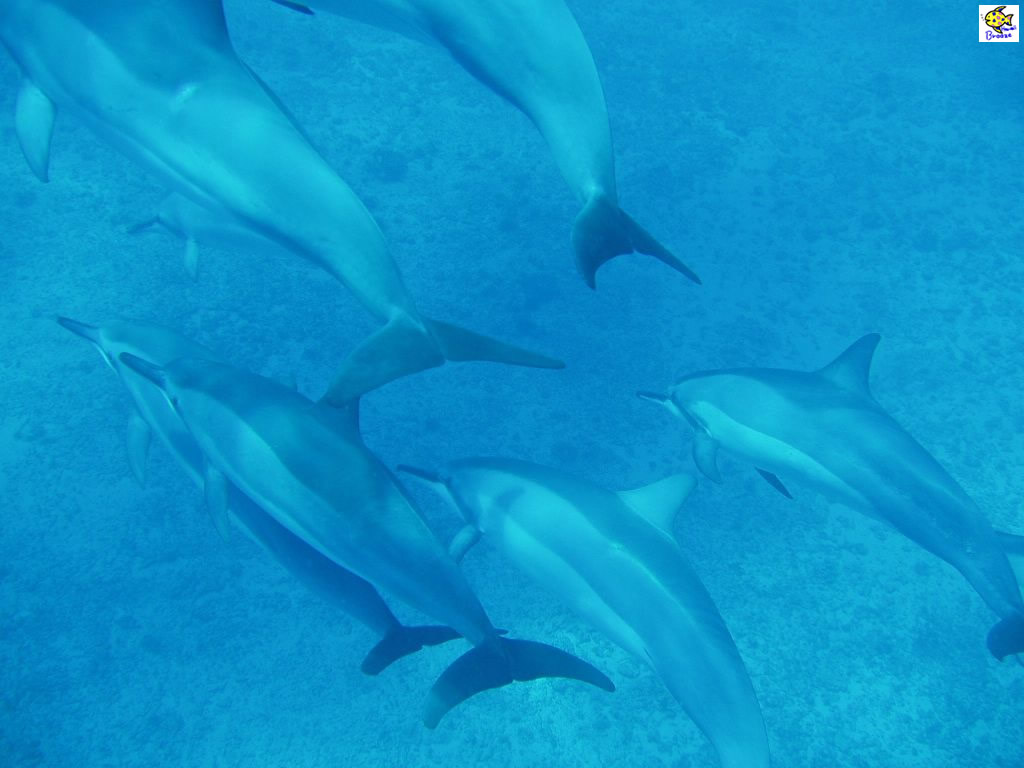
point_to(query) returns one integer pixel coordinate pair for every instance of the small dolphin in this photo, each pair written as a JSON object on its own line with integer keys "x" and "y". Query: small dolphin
{"x": 153, "y": 414}
{"x": 611, "y": 558}
{"x": 160, "y": 80}
{"x": 305, "y": 464}
{"x": 826, "y": 429}
{"x": 532, "y": 53}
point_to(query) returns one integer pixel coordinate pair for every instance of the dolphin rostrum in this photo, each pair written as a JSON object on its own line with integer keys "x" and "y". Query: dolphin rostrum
{"x": 532, "y": 53}
{"x": 611, "y": 557}
{"x": 826, "y": 429}
{"x": 160, "y": 80}
{"x": 152, "y": 414}
{"x": 305, "y": 463}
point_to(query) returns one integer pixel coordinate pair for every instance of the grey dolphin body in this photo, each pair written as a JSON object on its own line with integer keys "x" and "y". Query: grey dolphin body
{"x": 532, "y": 53}
{"x": 154, "y": 415}
{"x": 160, "y": 80}
{"x": 611, "y": 558}
{"x": 826, "y": 429}
{"x": 305, "y": 464}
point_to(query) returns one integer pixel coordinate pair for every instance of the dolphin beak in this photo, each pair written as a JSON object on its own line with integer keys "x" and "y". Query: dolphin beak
{"x": 668, "y": 403}
{"x": 654, "y": 397}
{"x": 89, "y": 332}
{"x": 154, "y": 373}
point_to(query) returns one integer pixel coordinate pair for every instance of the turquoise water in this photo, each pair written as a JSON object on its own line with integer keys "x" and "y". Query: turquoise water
{"x": 827, "y": 174}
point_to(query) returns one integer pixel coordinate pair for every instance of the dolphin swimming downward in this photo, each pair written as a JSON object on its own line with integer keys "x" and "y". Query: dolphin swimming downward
{"x": 532, "y": 53}
{"x": 611, "y": 557}
{"x": 153, "y": 414}
{"x": 305, "y": 464}
{"x": 160, "y": 80}
{"x": 826, "y": 428}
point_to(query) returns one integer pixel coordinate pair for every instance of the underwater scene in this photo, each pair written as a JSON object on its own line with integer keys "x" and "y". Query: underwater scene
{"x": 512, "y": 383}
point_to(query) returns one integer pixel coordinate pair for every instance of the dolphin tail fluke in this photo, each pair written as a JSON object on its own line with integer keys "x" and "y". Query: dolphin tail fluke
{"x": 1007, "y": 637}
{"x": 499, "y": 663}
{"x": 461, "y": 345}
{"x": 603, "y": 231}
{"x": 403, "y": 641}
{"x": 404, "y": 347}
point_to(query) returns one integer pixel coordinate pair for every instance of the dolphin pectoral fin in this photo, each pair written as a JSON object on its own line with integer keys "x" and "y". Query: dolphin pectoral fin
{"x": 660, "y": 502}
{"x": 215, "y": 493}
{"x": 1007, "y": 637}
{"x": 295, "y": 6}
{"x": 139, "y": 437}
{"x": 603, "y": 231}
{"x": 851, "y": 370}
{"x": 461, "y": 345}
{"x": 192, "y": 258}
{"x": 1011, "y": 543}
{"x": 402, "y": 641}
{"x": 774, "y": 482}
{"x": 498, "y": 663}
{"x": 34, "y": 114}
{"x": 463, "y": 541}
{"x": 705, "y": 456}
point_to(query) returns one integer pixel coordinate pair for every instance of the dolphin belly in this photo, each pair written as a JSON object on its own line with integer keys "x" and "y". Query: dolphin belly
{"x": 777, "y": 455}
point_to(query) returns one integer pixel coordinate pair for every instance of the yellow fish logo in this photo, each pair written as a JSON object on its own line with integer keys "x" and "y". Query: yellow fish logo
{"x": 996, "y": 18}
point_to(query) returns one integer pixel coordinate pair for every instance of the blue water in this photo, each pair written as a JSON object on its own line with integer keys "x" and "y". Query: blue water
{"x": 828, "y": 171}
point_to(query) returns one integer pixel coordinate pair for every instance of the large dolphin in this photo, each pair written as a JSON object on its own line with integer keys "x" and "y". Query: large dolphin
{"x": 152, "y": 414}
{"x": 611, "y": 557}
{"x": 532, "y": 53}
{"x": 826, "y": 429}
{"x": 305, "y": 463}
{"x": 160, "y": 80}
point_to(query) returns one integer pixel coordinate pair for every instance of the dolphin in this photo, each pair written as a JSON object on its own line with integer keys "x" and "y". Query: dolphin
{"x": 532, "y": 53}
{"x": 160, "y": 80}
{"x": 611, "y": 557}
{"x": 153, "y": 415}
{"x": 826, "y": 429}
{"x": 305, "y": 463}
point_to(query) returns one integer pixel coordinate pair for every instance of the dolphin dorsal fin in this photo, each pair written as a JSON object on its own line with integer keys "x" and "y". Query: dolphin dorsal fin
{"x": 852, "y": 368}
{"x": 659, "y": 502}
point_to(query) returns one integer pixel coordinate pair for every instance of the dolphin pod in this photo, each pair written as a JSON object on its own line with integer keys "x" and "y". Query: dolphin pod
{"x": 611, "y": 557}
{"x": 152, "y": 414}
{"x": 532, "y": 53}
{"x": 161, "y": 81}
{"x": 307, "y": 466}
{"x": 825, "y": 428}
